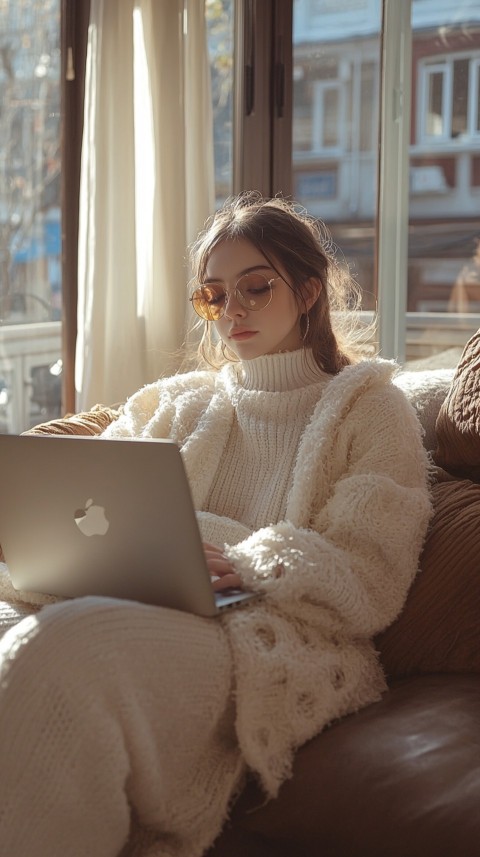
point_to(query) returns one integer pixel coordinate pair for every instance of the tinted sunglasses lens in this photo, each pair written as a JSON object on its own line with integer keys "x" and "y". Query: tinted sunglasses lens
{"x": 254, "y": 291}
{"x": 209, "y": 301}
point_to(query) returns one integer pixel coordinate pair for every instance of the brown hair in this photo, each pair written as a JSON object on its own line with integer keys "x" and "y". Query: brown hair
{"x": 286, "y": 235}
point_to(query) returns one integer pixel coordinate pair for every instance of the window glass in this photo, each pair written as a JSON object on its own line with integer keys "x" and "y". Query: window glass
{"x": 330, "y": 138}
{"x": 444, "y": 200}
{"x": 30, "y": 219}
{"x": 448, "y": 101}
{"x": 336, "y": 108}
{"x": 368, "y": 129}
{"x": 336, "y": 61}
{"x": 460, "y": 97}
{"x": 220, "y": 20}
{"x": 435, "y": 113}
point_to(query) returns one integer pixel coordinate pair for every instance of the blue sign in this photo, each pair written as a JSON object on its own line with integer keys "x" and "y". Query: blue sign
{"x": 48, "y": 244}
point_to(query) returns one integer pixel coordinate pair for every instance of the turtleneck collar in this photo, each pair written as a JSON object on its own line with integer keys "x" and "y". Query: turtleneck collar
{"x": 277, "y": 373}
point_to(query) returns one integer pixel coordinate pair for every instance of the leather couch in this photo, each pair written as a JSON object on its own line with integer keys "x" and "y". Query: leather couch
{"x": 401, "y": 778}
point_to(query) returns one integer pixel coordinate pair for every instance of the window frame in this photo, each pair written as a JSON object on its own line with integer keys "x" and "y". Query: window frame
{"x": 320, "y": 89}
{"x": 74, "y": 34}
{"x": 262, "y": 142}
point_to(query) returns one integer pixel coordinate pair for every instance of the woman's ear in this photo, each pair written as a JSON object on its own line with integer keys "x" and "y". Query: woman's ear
{"x": 312, "y": 289}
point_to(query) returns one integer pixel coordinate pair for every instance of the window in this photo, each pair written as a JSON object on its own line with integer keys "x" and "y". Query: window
{"x": 303, "y": 91}
{"x": 435, "y": 110}
{"x": 443, "y": 272}
{"x": 447, "y": 109}
{"x": 220, "y": 21}
{"x": 336, "y": 68}
{"x": 319, "y": 99}
{"x": 30, "y": 213}
{"x": 328, "y": 125}
{"x": 407, "y": 74}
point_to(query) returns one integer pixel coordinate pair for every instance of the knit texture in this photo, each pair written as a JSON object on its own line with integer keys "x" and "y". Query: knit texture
{"x": 120, "y": 727}
{"x": 255, "y": 472}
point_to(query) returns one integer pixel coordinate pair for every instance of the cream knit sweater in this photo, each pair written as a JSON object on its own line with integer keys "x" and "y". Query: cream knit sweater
{"x": 333, "y": 543}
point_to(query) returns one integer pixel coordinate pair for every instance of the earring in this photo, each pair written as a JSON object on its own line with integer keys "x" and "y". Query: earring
{"x": 307, "y": 327}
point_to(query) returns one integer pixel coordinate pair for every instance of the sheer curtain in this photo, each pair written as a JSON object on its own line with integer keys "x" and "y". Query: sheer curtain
{"x": 147, "y": 186}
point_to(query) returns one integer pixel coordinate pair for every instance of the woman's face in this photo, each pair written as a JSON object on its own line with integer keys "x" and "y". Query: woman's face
{"x": 249, "y": 333}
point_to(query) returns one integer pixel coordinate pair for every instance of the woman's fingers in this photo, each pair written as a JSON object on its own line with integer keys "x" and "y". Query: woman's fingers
{"x": 217, "y": 562}
{"x": 221, "y": 569}
{"x": 227, "y": 581}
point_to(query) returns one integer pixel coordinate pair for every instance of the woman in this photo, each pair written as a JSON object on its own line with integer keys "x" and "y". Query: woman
{"x": 124, "y": 726}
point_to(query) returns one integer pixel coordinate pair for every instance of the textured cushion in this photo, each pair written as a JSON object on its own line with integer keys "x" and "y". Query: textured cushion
{"x": 439, "y": 628}
{"x": 458, "y": 421}
{"x": 426, "y": 390}
{"x": 87, "y": 423}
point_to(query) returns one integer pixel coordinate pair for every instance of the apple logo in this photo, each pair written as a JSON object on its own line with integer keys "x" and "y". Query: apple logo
{"x": 92, "y": 521}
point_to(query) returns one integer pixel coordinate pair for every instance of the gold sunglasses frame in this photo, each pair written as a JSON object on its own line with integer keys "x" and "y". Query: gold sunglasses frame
{"x": 235, "y": 291}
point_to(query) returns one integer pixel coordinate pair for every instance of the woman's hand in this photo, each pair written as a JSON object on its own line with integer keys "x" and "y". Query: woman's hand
{"x": 221, "y": 569}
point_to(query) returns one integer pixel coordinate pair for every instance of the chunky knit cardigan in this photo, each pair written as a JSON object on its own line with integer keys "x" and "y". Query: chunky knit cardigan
{"x": 335, "y": 569}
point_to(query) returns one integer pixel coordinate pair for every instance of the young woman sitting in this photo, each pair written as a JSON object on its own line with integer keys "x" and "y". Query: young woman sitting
{"x": 126, "y": 728}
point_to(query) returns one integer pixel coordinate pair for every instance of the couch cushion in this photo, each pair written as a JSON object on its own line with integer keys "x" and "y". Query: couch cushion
{"x": 426, "y": 390}
{"x": 87, "y": 423}
{"x": 458, "y": 422}
{"x": 439, "y": 628}
{"x": 399, "y": 778}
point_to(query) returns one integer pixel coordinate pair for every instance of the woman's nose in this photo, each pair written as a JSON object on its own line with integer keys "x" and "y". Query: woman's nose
{"x": 233, "y": 307}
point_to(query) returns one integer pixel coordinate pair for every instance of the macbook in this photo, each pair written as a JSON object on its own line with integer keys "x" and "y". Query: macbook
{"x": 96, "y": 516}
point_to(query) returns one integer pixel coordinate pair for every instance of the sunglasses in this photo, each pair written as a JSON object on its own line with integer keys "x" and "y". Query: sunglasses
{"x": 252, "y": 291}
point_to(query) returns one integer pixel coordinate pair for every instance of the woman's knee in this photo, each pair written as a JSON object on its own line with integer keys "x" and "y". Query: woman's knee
{"x": 59, "y": 638}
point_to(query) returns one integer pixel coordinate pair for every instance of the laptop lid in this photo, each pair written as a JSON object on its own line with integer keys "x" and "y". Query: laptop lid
{"x": 96, "y": 516}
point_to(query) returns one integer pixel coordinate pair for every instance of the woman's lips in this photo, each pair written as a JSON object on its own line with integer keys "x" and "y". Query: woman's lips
{"x": 242, "y": 334}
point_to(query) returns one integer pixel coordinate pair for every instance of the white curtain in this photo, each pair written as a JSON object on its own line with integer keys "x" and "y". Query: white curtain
{"x": 147, "y": 186}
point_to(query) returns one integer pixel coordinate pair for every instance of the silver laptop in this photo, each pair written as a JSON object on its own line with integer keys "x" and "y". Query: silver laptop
{"x": 91, "y": 516}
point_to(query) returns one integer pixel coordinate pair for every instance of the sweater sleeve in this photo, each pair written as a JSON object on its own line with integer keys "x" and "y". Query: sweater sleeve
{"x": 219, "y": 530}
{"x": 352, "y": 567}
{"x": 170, "y": 407}
{"x": 137, "y": 413}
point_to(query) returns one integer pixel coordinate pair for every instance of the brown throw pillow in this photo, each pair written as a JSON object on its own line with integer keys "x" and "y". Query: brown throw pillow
{"x": 458, "y": 421}
{"x": 439, "y": 628}
{"x": 87, "y": 423}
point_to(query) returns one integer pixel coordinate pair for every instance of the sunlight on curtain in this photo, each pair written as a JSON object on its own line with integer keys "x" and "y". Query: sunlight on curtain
{"x": 145, "y": 162}
{"x": 147, "y": 187}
